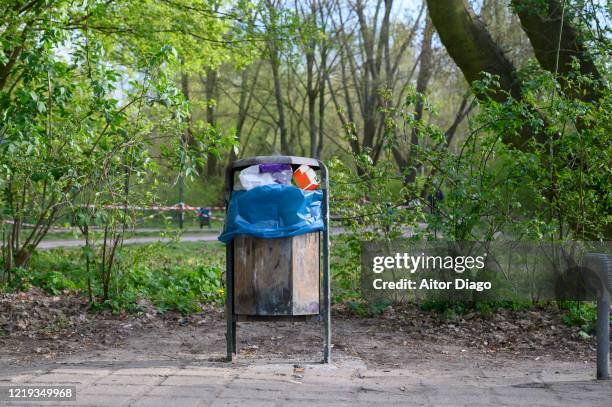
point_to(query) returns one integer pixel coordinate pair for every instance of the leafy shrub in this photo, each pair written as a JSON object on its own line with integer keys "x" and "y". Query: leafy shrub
{"x": 345, "y": 269}
{"x": 445, "y": 306}
{"x": 178, "y": 277}
{"x": 368, "y": 309}
{"x": 184, "y": 289}
{"x": 581, "y": 314}
{"x": 20, "y": 280}
{"x": 450, "y": 309}
{"x": 53, "y": 281}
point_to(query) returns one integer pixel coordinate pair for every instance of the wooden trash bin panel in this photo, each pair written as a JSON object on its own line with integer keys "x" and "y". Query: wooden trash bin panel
{"x": 276, "y": 277}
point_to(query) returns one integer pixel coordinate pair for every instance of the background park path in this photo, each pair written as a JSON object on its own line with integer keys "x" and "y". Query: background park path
{"x": 201, "y": 237}
{"x": 189, "y": 235}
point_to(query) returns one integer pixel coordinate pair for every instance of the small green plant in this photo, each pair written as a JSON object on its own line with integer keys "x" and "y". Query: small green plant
{"x": 345, "y": 269}
{"x": 53, "y": 281}
{"x": 377, "y": 307}
{"x": 58, "y": 325}
{"x": 451, "y": 309}
{"x": 487, "y": 308}
{"x": 580, "y": 314}
{"x": 20, "y": 280}
{"x": 368, "y": 309}
{"x": 445, "y": 306}
{"x": 357, "y": 308}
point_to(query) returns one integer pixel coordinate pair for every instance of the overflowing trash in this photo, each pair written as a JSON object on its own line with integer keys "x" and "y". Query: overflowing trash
{"x": 306, "y": 178}
{"x": 274, "y": 201}
{"x": 265, "y": 174}
{"x": 273, "y": 211}
{"x": 258, "y": 175}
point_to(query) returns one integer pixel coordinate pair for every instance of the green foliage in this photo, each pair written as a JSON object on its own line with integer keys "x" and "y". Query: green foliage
{"x": 20, "y": 281}
{"x": 580, "y": 314}
{"x": 53, "y": 281}
{"x": 345, "y": 268}
{"x": 450, "y": 310}
{"x": 90, "y": 107}
{"x": 75, "y": 129}
{"x": 177, "y": 287}
{"x": 368, "y": 309}
{"x": 556, "y": 190}
{"x": 551, "y": 182}
{"x": 444, "y": 305}
{"x": 488, "y": 307}
{"x": 368, "y": 198}
{"x": 179, "y": 277}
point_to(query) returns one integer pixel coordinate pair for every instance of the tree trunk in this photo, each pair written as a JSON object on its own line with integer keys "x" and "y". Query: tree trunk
{"x": 471, "y": 47}
{"x": 278, "y": 95}
{"x": 311, "y": 94}
{"x": 423, "y": 78}
{"x": 185, "y": 89}
{"x": 321, "y": 80}
{"x": 242, "y": 110}
{"x": 210, "y": 94}
{"x": 556, "y": 43}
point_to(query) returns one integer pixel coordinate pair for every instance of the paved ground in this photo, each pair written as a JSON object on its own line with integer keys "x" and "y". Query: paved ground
{"x": 345, "y": 383}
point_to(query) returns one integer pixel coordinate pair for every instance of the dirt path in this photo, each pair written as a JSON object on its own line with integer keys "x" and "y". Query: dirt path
{"x": 35, "y": 327}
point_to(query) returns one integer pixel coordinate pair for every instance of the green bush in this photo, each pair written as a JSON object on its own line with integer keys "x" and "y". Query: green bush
{"x": 179, "y": 277}
{"x": 368, "y": 309}
{"x": 345, "y": 268}
{"x": 581, "y": 314}
{"x": 450, "y": 309}
{"x": 53, "y": 281}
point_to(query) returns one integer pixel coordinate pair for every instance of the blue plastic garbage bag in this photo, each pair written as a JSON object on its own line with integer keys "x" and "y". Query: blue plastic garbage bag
{"x": 271, "y": 211}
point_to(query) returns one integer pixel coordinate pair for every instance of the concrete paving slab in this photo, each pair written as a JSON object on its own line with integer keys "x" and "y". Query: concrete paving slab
{"x": 116, "y": 389}
{"x": 190, "y": 383}
{"x": 195, "y": 381}
{"x": 62, "y": 378}
{"x": 149, "y": 401}
{"x": 147, "y": 371}
{"x": 237, "y": 402}
{"x": 125, "y": 379}
{"x": 201, "y": 392}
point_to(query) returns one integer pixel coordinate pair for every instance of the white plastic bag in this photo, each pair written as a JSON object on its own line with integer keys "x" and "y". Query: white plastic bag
{"x": 255, "y": 176}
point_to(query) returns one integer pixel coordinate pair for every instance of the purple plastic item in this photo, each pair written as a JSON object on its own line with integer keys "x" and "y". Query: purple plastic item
{"x": 273, "y": 168}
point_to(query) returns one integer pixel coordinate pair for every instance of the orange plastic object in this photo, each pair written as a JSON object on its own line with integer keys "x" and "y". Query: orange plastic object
{"x": 306, "y": 178}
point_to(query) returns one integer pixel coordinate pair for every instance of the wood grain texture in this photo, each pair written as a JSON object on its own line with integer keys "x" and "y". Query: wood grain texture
{"x": 244, "y": 290}
{"x": 276, "y": 276}
{"x": 305, "y": 266}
